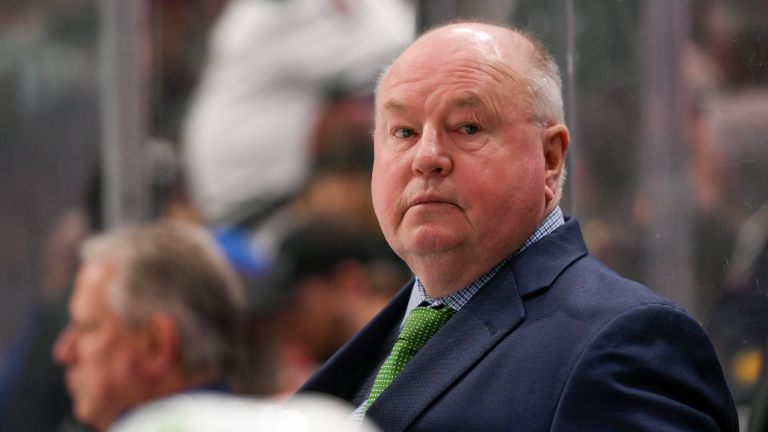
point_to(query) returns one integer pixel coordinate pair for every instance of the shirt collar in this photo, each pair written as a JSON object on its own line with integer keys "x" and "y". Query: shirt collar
{"x": 457, "y": 300}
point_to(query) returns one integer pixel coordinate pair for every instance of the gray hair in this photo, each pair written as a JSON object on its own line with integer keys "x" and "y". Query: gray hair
{"x": 177, "y": 269}
{"x": 545, "y": 88}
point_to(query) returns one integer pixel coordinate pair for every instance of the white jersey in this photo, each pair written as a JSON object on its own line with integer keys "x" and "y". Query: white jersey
{"x": 202, "y": 411}
{"x": 248, "y": 132}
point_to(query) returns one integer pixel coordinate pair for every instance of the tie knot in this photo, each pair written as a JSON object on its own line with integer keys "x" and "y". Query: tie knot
{"x": 423, "y": 323}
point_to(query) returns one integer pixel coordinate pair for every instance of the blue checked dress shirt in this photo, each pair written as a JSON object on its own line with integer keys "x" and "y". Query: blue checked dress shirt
{"x": 457, "y": 300}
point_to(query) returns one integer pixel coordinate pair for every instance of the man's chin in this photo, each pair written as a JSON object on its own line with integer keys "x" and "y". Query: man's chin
{"x": 90, "y": 415}
{"x": 432, "y": 241}
{"x": 82, "y": 414}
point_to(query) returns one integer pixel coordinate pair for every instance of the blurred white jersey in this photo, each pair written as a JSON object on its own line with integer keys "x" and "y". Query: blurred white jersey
{"x": 218, "y": 412}
{"x": 249, "y": 129}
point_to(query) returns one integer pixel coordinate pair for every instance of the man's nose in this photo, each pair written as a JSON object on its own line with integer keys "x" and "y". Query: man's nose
{"x": 63, "y": 348}
{"x": 432, "y": 155}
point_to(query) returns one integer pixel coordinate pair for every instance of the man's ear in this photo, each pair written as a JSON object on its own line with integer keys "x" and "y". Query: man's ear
{"x": 556, "y": 141}
{"x": 160, "y": 344}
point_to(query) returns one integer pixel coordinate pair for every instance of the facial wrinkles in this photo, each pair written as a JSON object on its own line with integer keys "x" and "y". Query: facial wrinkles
{"x": 484, "y": 52}
{"x": 511, "y": 85}
{"x": 474, "y": 50}
{"x": 486, "y": 58}
{"x": 499, "y": 86}
{"x": 440, "y": 103}
{"x": 486, "y": 112}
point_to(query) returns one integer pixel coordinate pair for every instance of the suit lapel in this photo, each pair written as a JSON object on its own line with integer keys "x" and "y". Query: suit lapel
{"x": 492, "y": 313}
{"x": 538, "y": 266}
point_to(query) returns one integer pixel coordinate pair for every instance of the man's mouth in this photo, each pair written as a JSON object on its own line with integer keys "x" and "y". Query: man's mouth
{"x": 427, "y": 200}
{"x": 431, "y": 203}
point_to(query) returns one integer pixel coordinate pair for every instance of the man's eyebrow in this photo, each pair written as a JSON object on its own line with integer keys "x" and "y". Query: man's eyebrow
{"x": 468, "y": 100}
{"x": 393, "y": 106}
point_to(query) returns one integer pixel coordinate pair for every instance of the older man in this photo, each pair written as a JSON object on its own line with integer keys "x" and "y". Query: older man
{"x": 509, "y": 324}
{"x": 155, "y": 311}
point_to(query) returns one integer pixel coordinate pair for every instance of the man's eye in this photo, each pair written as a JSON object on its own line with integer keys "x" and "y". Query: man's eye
{"x": 404, "y": 133}
{"x": 469, "y": 129}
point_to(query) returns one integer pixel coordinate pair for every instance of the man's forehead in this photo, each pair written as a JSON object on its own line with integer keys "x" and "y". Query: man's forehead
{"x": 96, "y": 270}
{"x": 498, "y": 51}
{"x": 490, "y": 41}
{"x": 93, "y": 278}
{"x": 463, "y": 100}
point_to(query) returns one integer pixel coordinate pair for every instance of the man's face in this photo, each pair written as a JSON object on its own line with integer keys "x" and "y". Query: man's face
{"x": 100, "y": 354}
{"x": 459, "y": 167}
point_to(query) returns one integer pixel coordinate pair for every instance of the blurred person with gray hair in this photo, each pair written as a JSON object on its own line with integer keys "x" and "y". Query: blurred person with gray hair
{"x": 155, "y": 311}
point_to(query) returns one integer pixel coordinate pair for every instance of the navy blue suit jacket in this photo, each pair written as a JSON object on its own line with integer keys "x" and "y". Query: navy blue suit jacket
{"x": 555, "y": 341}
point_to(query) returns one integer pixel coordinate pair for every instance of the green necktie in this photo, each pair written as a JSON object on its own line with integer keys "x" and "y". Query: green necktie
{"x": 421, "y": 325}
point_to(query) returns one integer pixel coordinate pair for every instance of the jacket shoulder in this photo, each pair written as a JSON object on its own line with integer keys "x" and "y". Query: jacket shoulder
{"x": 588, "y": 285}
{"x": 647, "y": 364}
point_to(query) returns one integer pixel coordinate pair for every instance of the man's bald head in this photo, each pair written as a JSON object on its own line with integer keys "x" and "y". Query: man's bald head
{"x": 527, "y": 64}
